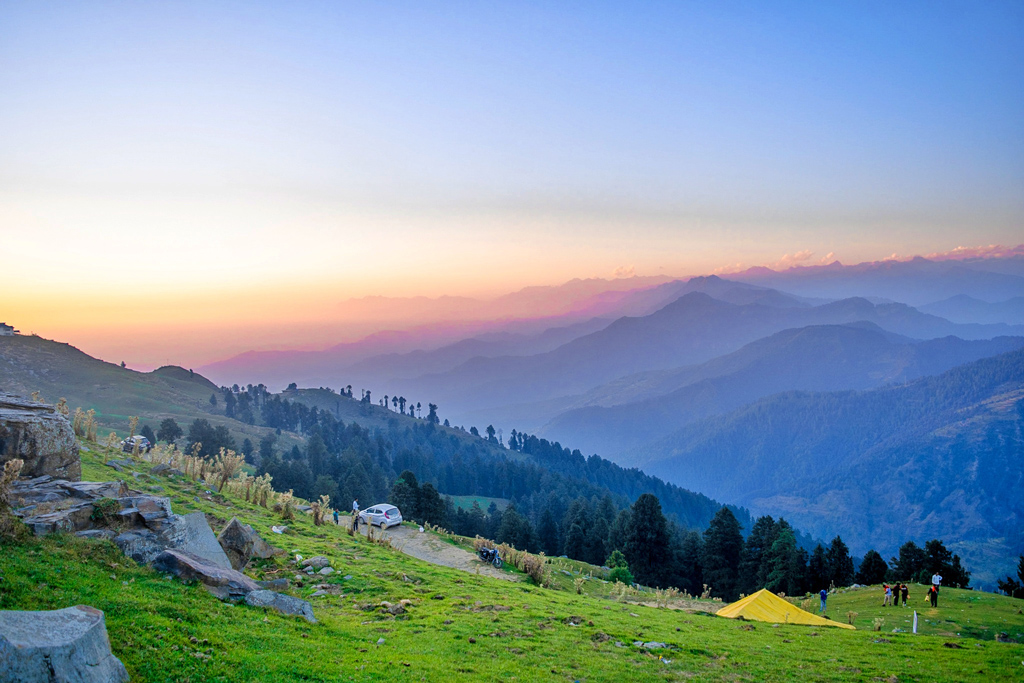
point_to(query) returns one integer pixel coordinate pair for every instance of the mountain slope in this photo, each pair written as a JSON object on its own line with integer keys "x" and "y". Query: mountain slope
{"x": 940, "y": 457}
{"x": 815, "y": 358}
{"x": 965, "y": 309}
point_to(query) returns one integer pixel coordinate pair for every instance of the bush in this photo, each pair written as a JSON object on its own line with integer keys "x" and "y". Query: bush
{"x": 622, "y": 575}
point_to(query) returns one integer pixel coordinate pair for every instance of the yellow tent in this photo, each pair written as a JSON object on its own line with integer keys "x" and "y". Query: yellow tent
{"x": 766, "y": 606}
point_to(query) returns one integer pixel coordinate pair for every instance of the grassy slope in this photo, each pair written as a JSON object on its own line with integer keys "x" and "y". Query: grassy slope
{"x": 59, "y": 370}
{"x": 152, "y": 621}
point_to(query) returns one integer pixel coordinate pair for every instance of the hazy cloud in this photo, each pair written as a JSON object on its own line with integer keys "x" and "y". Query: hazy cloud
{"x": 991, "y": 251}
{"x": 624, "y": 271}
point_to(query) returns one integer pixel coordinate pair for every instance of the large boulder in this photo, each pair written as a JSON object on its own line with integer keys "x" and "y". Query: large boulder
{"x": 38, "y": 434}
{"x": 285, "y": 604}
{"x": 63, "y": 646}
{"x": 241, "y": 543}
{"x": 226, "y": 584}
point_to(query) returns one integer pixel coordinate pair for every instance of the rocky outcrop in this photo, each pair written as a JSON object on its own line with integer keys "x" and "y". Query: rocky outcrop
{"x": 36, "y": 433}
{"x": 285, "y": 604}
{"x": 146, "y": 525}
{"x": 226, "y": 584}
{"x": 62, "y": 646}
{"x": 241, "y": 544}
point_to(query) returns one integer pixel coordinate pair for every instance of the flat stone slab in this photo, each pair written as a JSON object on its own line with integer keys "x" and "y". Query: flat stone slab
{"x": 284, "y": 604}
{"x": 60, "y": 646}
{"x": 226, "y": 584}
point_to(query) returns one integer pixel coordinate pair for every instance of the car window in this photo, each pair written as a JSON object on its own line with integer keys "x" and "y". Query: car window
{"x": 372, "y": 511}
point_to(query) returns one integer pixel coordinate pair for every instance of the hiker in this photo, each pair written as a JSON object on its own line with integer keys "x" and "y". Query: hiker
{"x": 336, "y": 520}
{"x": 824, "y": 597}
{"x": 905, "y": 591}
{"x": 355, "y": 515}
{"x": 933, "y": 595}
{"x": 887, "y": 600}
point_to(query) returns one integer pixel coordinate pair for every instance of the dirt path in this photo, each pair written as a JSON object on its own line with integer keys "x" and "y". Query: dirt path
{"x": 429, "y": 548}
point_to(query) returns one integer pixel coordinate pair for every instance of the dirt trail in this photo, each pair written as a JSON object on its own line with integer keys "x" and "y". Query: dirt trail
{"x": 429, "y": 548}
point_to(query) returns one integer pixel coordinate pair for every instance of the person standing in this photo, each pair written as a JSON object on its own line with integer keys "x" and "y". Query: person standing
{"x": 887, "y": 600}
{"x": 355, "y": 515}
{"x": 936, "y": 580}
{"x": 933, "y": 595}
{"x": 824, "y": 597}
{"x": 336, "y": 520}
{"x": 905, "y": 591}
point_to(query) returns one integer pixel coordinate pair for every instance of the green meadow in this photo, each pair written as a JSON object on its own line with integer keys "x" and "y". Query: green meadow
{"x": 463, "y": 626}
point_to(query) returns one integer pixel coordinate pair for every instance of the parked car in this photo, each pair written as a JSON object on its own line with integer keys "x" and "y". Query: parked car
{"x": 382, "y": 515}
{"x": 128, "y": 445}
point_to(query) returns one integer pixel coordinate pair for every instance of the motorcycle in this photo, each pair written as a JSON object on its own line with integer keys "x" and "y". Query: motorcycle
{"x": 491, "y": 556}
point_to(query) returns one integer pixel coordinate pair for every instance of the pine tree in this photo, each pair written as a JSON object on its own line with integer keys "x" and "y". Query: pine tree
{"x": 689, "y": 564}
{"x": 753, "y": 571}
{"x": 722, "y": 546}
{"x": 838, "y": 563}
{"x": 405, "y": 495}
{"x": 575, "y": 542}
{"x": 872, "y": 569}
{"x": 547, "y": 530}
{"x": 647, "y": 541}
{"x": 817, "y": 571}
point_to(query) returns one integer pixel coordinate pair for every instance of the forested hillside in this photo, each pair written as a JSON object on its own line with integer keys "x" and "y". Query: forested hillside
{"x": 938, "y": 457}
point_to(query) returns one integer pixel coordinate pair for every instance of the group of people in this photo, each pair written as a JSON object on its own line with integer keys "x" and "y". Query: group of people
{"x": 896, "y": 591}
{"x": 355, "y": 515}
{"x": 893, "y": 594}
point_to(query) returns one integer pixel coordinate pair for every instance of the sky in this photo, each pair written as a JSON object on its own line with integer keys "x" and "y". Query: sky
{"x": 178, "y": 180}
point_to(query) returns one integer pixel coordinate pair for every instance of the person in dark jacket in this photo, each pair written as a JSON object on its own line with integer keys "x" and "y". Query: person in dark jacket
{"x": 905, "y": 592}
{"x": 933, "y": 596}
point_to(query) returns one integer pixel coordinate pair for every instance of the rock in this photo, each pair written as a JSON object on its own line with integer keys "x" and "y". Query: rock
{"x": 241, "y": 544}
{"x": 380, "y": 641}
{"x": 102, "y": 534}
{"x": 347, "y": 577}
{"x": 304, "y": 508}
{"x": 275, "y": 584}
{"x": 175, "y": 472}
{"x": 68, "y": 644}
{"x": 120, "y": 465}
{"x": 142, "y": 545}
{"x": 654, "y": 645}
{"x": 91, "y": 490}
{"x": 226, "y": 584}
{"x": 326, "y": 571}
{"x": 319, "y": 594}
{"x": 316, "y": 562}
{"x": 74, "y": 518}
{"x": 160, "y": 469}
{"x": 285, "y": 604}
{"x": 192, "y": 534}
{"x": 39, "y": 435}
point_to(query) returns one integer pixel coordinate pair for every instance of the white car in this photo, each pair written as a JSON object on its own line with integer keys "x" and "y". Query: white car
{"x": 382, "y": 515}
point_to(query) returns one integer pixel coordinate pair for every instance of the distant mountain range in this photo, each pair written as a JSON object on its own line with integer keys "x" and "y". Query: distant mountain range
{"x": 964, "y": 309}
{"x": 692, "y": 329}
{"x": 915, "y": 282}
{"x": 813, "y": 358}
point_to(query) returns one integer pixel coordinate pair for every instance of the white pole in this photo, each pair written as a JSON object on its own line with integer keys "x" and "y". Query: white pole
{"x": 915, "y": 621}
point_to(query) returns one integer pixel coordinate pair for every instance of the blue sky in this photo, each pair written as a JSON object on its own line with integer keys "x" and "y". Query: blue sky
{"x": 472, "y": 148}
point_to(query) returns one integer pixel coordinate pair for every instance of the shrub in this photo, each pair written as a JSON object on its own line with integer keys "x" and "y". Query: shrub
{"x": 622, "y": 575}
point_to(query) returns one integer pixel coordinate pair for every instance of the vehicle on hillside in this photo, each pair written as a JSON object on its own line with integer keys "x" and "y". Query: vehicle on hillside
{"x": 128, "y": 445}
{"x": 491, "y": 556}
{"x": 382, "y": 515}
